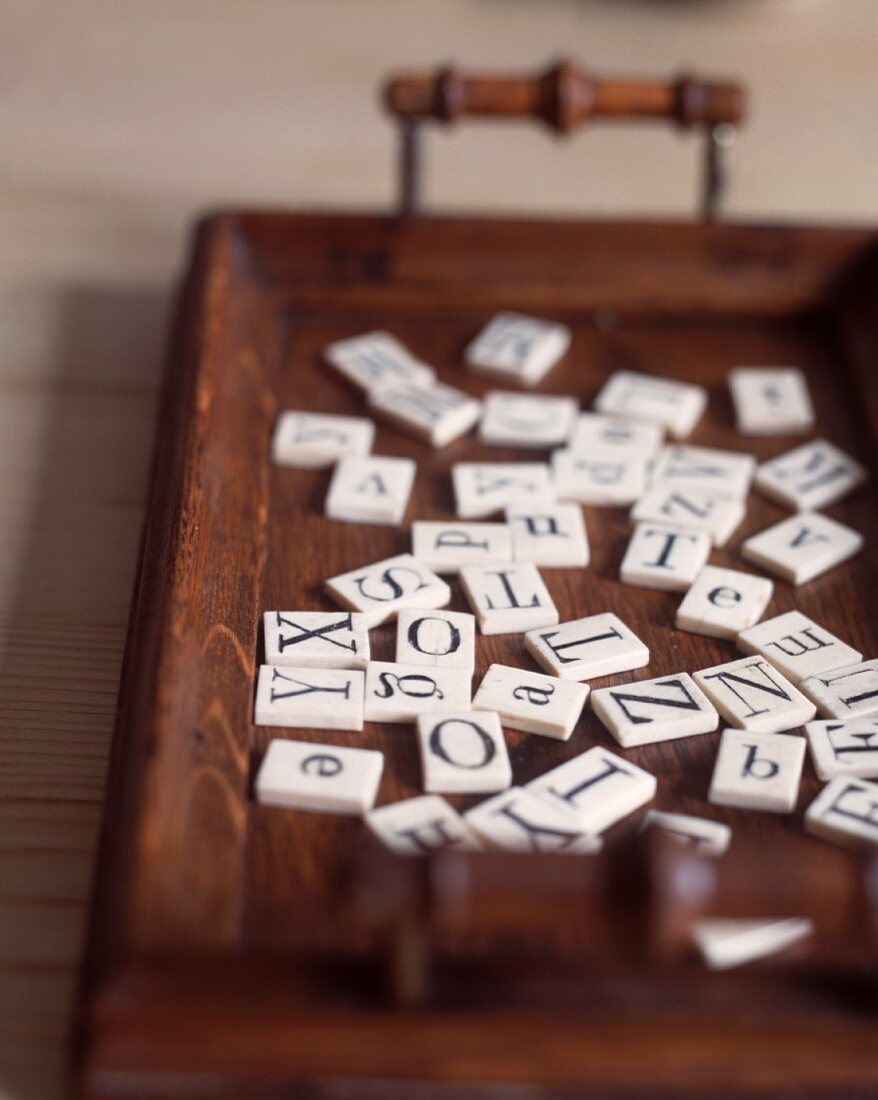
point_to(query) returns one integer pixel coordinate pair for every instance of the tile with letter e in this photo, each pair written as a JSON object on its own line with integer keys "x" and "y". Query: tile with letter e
{"x": 312, "y": 440}
{"x": 437, "y": 639}
{"x": 664, "y": 557}
{"x": 676, "y": 406}
{"x": 399, "y": 693}
{"x": 809, "y": 477}
{"x": 707, "y": 470}
{"x": 519, "y": 820}
{"x": 711, "y": 838}
{"x": 445, "y": 547}
{"x": 848, "y": 692}
{"x": 595, "y": 433}
{"x": 716, "y": 516}
{"x": 797, "y": 646}
{"x": 483, "y": 488}
{"x": 522, "y": 349}
{"x": 724, "y": 942}
{"x": 771, "y": 400}
{"x": 723, "y": 602}
{"x": 531, "y": 702}
{"x": 508, "y": 599}
{"x": 377, "y": 359}
{"x": 662, "y": 709}
{"x": 463, "y": 753}
{"x": 527, "y": 420}
{"x": 553, "y": 536}
{"x": 383, "y": 588}
{"x": 598, "y": 786}
{"x": 436, "y": 414}
{"x": 598, "y": 479}
{"x": 758, "y": 771}
{"x": 302, "y": 775}
{"x": 316, "y": 639}
{"x": 421, "y": 825}
{"x": 844, "y": 746}
{"x": 310, "y": 698}
{"x": 752, "y": 695}
{"x": 598, "y": 645}
{"x": 800, "y": 548}
{"x": 845, "y": 811}
{"x": 370, "y": 489}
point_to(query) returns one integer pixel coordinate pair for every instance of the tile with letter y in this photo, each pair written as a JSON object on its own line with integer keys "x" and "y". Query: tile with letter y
{"x": 310, "y": 698}
{"x": 676, "y": 406}
{"x": 447, "y": 547}
{"x": 846, "y": 812}
{"x": 508, "y": 599}
{"x": 663, "y": 557}
{"x": 662, "y": 709}
{"x": 399, "y": 693}
{"x": 800, "y": 548}
{"x": 758, "y": 771}
{"x": 463, "y": 752}
{"x": 437, "y": 639}
{"x": 752, "y": 695}
{"x": 809, "y": 477}
{"x": 531, "y": 702}
{"x": 723, "y": 602}
{"x": 310, "y": 441}
{"x": 436, "y": 414}
{"x": 377, "y": 359}
{"x": 382, "y": 589}
{"x": 483, "y": 488}
{"x": 370, "y": 489}
{"x": 520, "y": 348}
{"x": 327, "y": 778}
{"x": 598, "y": 645}
{"x": 553, "y": 535}
{"x": 771, "y": 400}
{"x": 844, "y": 746}
{"x": 848, "y": 692}
{"x": 519, "y": 820}
{"x": 316, "y": 639}
{"x": 527, "y": 420}
{"x": 797, "y": 646}
{"x": 421, "y": 825}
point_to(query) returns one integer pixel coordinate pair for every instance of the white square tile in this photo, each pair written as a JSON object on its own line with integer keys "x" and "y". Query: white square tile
{"x": 381, "y": 589}
{"x": 370, "y": 489}
{"x": 677, "y": 406}
{"x": 527, "y": 420}
{"x": 463, "y": 752}
{"x": 553, "y": 536}
{"x": 662, "y": 709}
{"x": 845, "y": 811}
{"x": 717, "y": 517}
{"x": 598, "y": 645}
{"x": 437, "y": 413}
{"x": 531, "y": 702}
{"x": 598, "y": 479}
{"x": 758, "y": 771}
{"x": 711, "y": 838}
{"x": 797, "y": 646}
{"x": 722, "y": 602}
{"x": 771, "y": 400}
{"x": 717, "y": 473}
{"x": 600, "y": 787}
{"x": 811, "y": 476}
{"x": 664, "y": 557}
{"x": 800, "y": 548}
{"x": 316, "y": 639}
{"x": 849, "y": 692}
{"x": 446, "y": 546}
{"x": 521, "y": 348}
{"x": 312, "y": 440}
{"x": 728, "y": 942}
{"x": 421, "y": 825}
{"x": 482, "y": 488}
{"x": 399, "y": 693}
{"x": 302, "y": 775}
{"x": 519, "y": 820}
{"x": 377, "y": 359}
{"x": 595, "y": 433}
{"x": 508, "y": 599}
{"x": 436, "y": 639}
{"x": 752, "y": 695}
{"x": 844, "y": 746}
{"x": 309, "y": 698}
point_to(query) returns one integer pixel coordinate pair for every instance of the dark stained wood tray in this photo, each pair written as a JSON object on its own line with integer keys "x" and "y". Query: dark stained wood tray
{"x": 231, "y": 950}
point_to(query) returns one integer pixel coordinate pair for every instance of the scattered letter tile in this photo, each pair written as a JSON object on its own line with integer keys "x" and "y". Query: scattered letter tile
{"x": 727, "y": 942}
{"x": 508, "y": 599}
{"x": 809, "y": 477}
{"x": 553, "y": 536}
{"x": 418, "y": 826}
{"x": 710, "y": 837}
{"x": 659, "y": 556}
{"x": 310, "y": 698}
{"x": 752, "y": 695}
{"x": 445, "y": 547}
{"x": 758, "y": 771}
{"x": 381, "y": 589}
{"x": 706, "y": 470}
{"x": 316, "y": 639}
{"x": 531, "y": 702}
{"x": 599, "y": 645}
{"x": 677, "y": 406}
{"x": 370, "y": 489}
{"x": 844, "y": 746}
{"x": 662, "y": 709}
{"x": 722, "y": 602}
{"x": 377, "y": 359}
{"x": 716, "y": 516}
{"x": 463, "y": 753}
{"x": 598, "y": 479}
{"x": 482, "y": 488}
{"x": 771, "y": 400}
{"x": 600, "y": 787}
{"x": 797, "y": 646}
{"x": 399, "y": 693}
{"x": 302, "y": 775}
{"x": 436, "y": 414}
{"x": 519, "y": 347}
{"x": 312, "y": 440}
{"x": 595, "y": 433}
{"x": 526, "y": 420}
{"x": 849, "y": 692}
{"x": 437, "y": 639}
{"x": 845, "y": 811}
{"x": 519, "y": 820}
{"x": 800, "y": 548}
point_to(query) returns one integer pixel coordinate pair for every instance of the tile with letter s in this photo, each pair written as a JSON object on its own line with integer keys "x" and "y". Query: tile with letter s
{"x": 380, "y": 590}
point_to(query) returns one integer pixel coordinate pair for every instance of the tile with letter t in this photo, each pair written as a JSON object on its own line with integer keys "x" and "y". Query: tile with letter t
{"x": 445, "y": 547}
{"x": 310, "y": 698}
{"x": 758, "y": 771}
{"x": 809, "y": 477}
{"x": 302, "y": 775}
{"x": 595, "y": 433}
{"x": 523, "y": 349}
{"x": 370, "y": 489}
{"x": 421, "y": 825}
{"x": 527, "y": 420}
{"x": 382, "y": 589}
{"x": 800, "y": 548}
{"x": 519, "y": 820}
{"x": 723, "y": 602}
{"x": 848, "y": 692}
{"x": 316, "y": 639}
{"x": 662, "y": 709}
{"x": 598, "y": 479}
{"x": 725, "y": 942}
{"x": 771, "y": 400}
{"x": 482, "y": 488}
{"x": 599, "y": 645}
{"x": 752, "y": 695}
{"x": 844, "y": 746}
{"x": 399, "y": 693}
{"x": 663, "y": 557}
{"x": 436, "y": 414}
{"x": 531, "y": 702}
{"x": 377, "y": 359}
{"x": 508, "y": 599}
{"x": 711, "y": 838}
{"x": 463, "y": 753}
{"x": 845, "y": 811}
{"x": 437, "y": 639}
{"x": 725, "y": 474}
{"x": 716, "y": 516}
{"x": 797, "y": 646}
{"x": 553, "y": 536}
{"x": 312, "y": 440}
{"x": 676, "y": 406}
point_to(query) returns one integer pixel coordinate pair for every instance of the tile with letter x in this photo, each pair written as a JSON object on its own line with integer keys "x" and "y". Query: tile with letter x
{"x": 482, "y": 488}
{"x": 797, "y": 646}
{"x": 399, "y": 693}
{"x": 704, "y": 469}
{"x": 800, "y": 548}
{"x": 848, "y": 692}
{"x": 525, "y": 420}
{"x": 446, "y": 547}
{"x": 382, "y": 589}
{"x": 751, "y": 694}
{"x": 553, "y": 535}
{"x": 812, "y": 476}
{"x": 306, "y": 776}
{"x": 845, "y": 811}
{"x": 310, "y": 698}
{"x": 599, "y": 645}
{"x": 758, "y": 771}
{"x": 370, "y": 489}
{"x": 531, "y": 702}
{"x": 676, "y": 406}
{"x": 508, "y": 599}
{"x": 312, "y": 440}
{"x": 844, "y": 746}
{"x": 437, "y": 414}
{"x": 377, "y": 359}
{"x": 437, "y": 639}
{"x": 723, "y": 602}
{"x": 420, "y": 825}
{"x": 463, "y": 752}
{"x": 663, "y": 557}
{"x": 519, "y": 820}
{"x": 520, "y": 348}
{"x": 662, "y": 709}
{"x": 316, "y": 639}
{"x": 771, "y": 400}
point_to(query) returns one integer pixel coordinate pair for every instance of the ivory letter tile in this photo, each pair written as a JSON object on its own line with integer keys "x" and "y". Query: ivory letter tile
{"x": 519, "y": 820}
{"x": 845, "y": 811}
{"x": 712, "y": 838}
{"x": 809, "y": 477}
{"x": 722, "y": 602}
{"x": 600, "y": 787}
{"x": 758, "y": 771}
{"x": 595, "y": 433}
{"x": 418, "y": 826}
{"x": 844, "y": 746}
{"x": 553, "y": 536}
{"x": 771, "y": 400}
{"x": 381, "y": 589}
{"x": 369, "y": 489}
{"x": 436, "y": 414}
{"x": 802, "y": 547}
{"x": 724, "y": 474}
{"x": 664, "y": 557}
{"x": 463, "y": 753}
{"x": 527, "y": 420}
{"x": 508, "y": 599}
{"x": 312, "y": 440}
{"x": 531, "y": 702}
{"x": 436, "y": 639}
{"x": 598, "y": 479}
{"x": 797, "y": 646}
{"x": 677, "y": 406}
{"x": 518, "y": 347}
{"x": 310, "y": 698}
{"x": 445, "y": 547}
{"x": 599, "y": 645}
{"x": 727, "y": 942}
{"x": 316, "y": 639}
{"x": 752, "y": 695}
{"x": 647, "y": 711}
{"x": 689, "y": 508}
{"x": 302, "y": 775}
{"x": 849, "y": 692}
{"x": 377, "y": 359}
{"x": 399, "y": 693}
{"x": 482, "y": 488}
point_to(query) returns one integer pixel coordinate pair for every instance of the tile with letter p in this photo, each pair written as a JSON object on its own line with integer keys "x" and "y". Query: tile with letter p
{"x": 309, "y": 698}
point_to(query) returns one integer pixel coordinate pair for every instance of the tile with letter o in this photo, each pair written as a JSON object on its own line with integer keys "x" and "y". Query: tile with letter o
{"x": 437, "y": 639}
{"x": 463, "y": 752}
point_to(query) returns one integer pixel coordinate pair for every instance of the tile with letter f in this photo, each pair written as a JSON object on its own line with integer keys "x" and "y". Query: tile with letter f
{"x": 662, "y": 709}
{"x": 508, "y": 599}
{"x": 753, "y": 695}
{"x": 327, "y": 778}
{"x": 598, "y": 645}
{"x": 421, "y": 825}
{"x": 310, "y": 698}
{"x": 519, "y": 820}
{"x": 758, "y": 771}
{"x": 437, "y": 639}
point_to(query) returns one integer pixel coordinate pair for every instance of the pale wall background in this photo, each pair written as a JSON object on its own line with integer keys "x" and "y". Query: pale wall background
{"x": 119, "y": 121}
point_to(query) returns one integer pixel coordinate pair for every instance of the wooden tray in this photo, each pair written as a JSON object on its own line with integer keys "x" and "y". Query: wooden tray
{"x": 229, "y": 951}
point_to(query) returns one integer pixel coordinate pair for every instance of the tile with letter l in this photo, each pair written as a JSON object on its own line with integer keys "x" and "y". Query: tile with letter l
{"x": 723, "y": 602}
{"x": 421, "y": 825}
{"x": 446, "y": 546}
{"x": 370, "y": 489}
{"x": 310, "y": 698}
{"x": 716, "y": 516}
{"x": 519, "y": 820}
{"x": 752, "y": 694}
{"x": 677, "y": 406}
{"x": 662, "y": 709}
{"x": 316, "y": 639}
{"x": 708, "y": 470}
{"x": 664, "y": 557}
{"x": 771, "y": 400}
{"x": 436, "y": 639}
{"x": 508, "y": 599}
{"x": 483, "y": 488}
{"x": 846, "y": 812}
{"x": 809, "y": 477}
{"x": 310, "y": 440}
{"x": 849, "y": 692}
{"x": 527, "y": 420}
{"x": 463, "y": 752}
{"x": 844, "y": 746}
{"x": 553, "y": 536}
{"x": 531, "y": 702}
{"x": 598, "y": 645}
{"x": 800, "y": 548}
{"x": 595, "y": 433}
{"x": 758, "y": 771}
{"x": 711, "y": 838}
{"x": 377, "y": 359}
{"x": 399, "y": 693}
{"x": 797, "y": 646}
{"x": 382, "y": 589}
{"x": 303, "y": 775}
{"x": 436, "y": 414}
{"x": 518, "y": 347}
{"x": 598, "y": 479}
{"x": 724, "y": 942}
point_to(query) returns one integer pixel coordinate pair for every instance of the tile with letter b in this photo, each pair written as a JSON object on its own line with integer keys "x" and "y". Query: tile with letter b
{"x": 727, "y": 942}
{"x": 711, "y": 838}
{"x": 519, "y": 820}
{"x": 370, "y": 489}
{"x": 752, "y": 695}
{"x": 662, "y": 709}
{"x": 771, "y": 400}
{"x": 483, "y": 488}
{"x": 664, "y": 557}
{"x": 553, "y": 536}
{"x": 316, "y": 639}
{"x": 508, "y": 599}
{"x": 436, "y": 414}
{"x": 848, "y": 692}
{"x": 800, "y": 548}
{"x": 717, "y": 473}
{"x": 377, "y": 359}
{"x": 758, "y": 771}
{"x": 809, "y": 477}
{"x": 382, "y": 589}
{"x": 598, "y": 479}
{"x": 310, "y": 698}
{"x": 716, "y": 516}
{"x": 399, "y": 693}
{"x": 527, "y": 420}
{"x": 598, "y": 645}
{"x": 595, "y": 433}
{"x": 421, "y": 825}
{"x": 531, "y": 702}
{"x": 520, "y": 348}
{"x": 797, "y": 646}
{"x": 844, "y": 746}
{"x": 302, "y": 775}
{"x": 463, "y": 752}
{"x": 437, "y": 639}
{"x": 723, "y": 602}
{"x": 676, "y": 406}
{"x": 447, "y": 546}
{"x": 310, "y": 440}
{"x": 846, "y": 812}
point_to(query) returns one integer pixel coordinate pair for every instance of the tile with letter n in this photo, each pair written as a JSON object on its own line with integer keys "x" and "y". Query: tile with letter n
{"x": 663, "y": 557}
{"x": 437, "y": 639}
{"x": 446, "y": 547}
{"x": 844, "y": 746}
{"x": 723, "y": 602}
{"x": 704, "y": 469}
{"x": 377, "y": 359}
{"x": 303, "y": 775}
{"x": 436, "y": 414}
{"x": 845, "y": 811}
{"x": 370, "y": 489}
{"x": 662, "y": 709}
{"x": 598, "y": 645}
{"x": 797, "y": 646}
{"x": 598, "y": 786}
{"x": 553, "y": 535}
{"x": 310, "y": 441}
{"x": 531, "y": 702}
{"x": 399, "y": 693}
{"x": 421, "y": 825}
{"x": 382, "y": 589}
{"x": 595, "y": 433}
{"x": 527, "y": 420}
{"x": 800, "y": 548}
{"x": 519, "y": 820}
{"x": 316, "y": 639}
{"x": 310, "y": 698}
{"x": 463, "y": 753}
{"x": 771, "y": 400}
{"x": 848, "y": 692}
{"x": 725, "y": 942}
{"x": 598, "y": 479}
{"x": 809, "y": 477}
{"x": 758, "y": 771}
{"x": 752, "y": 695}
{"x": 711, "y": 838}
{"x": 676, "y": 406}
{"x": 520, "y": 348}
{"x": 716, "y": 516}
{"x": 508, "y": 599}
{"x": 483, "y": 488}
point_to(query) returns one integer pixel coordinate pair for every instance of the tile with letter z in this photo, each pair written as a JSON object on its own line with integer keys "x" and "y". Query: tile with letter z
{"x": 508, "y": 599}
{"x": 716, "y": 516}
{"x": 310, "y": 698}
{"x": 844, "y": 746}
{"x": 437, "y": 639}
{"x": 421, "y": 825}
{"x": 758, "y": 771}
{"x": 382, "y": 589}
{"x": 520, "y": 348}
{"x": 599, "y": 645}
{"x": 399, "y": 693}
{"x": 797, "y": 646}
{"x": 310, "y": 441}
{"x": 662, "y": 709}
{"x": 846, "y": 812}
{"x": 377, "y": 359}
{"x": 519, "y": 820}
{"x": 752, "y": 694}
{"x": 463, "y": 752}
{"x": 370, "y": 489}
{"x": 303, "y": 775}
{"x": 531, "y": 702}
{"x": 723, "y": 602}
{"x": 800, "y": 548}
{"x": 316, "y": 639}
{"x": 676, "y": 406}
{"x": 446, "y": 547}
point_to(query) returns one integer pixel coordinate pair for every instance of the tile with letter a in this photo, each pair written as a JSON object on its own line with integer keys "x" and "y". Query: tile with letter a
{"x": 463, "y": 752}
{"x": 849, "y": 692}
{"x": 526, "y": 420}
{"x": 725, "y": 474}
{"x": 531, "y": 702}
{"x": 310, "y": 698}
{"x": 845, "y": 811}
{"x": 676, "y": 406}
{"x": 399, "y": 693}
{"x": 421, "y": 825}
{"x": 722, "y": 602}
{"x": 758, "y": 771}
{"x": 446, "y": 547}
{"x": 711, "y": 838}
{"x": 508, "y": 599}
{"x": 752, "y": 695}
{"x": 598, "y": 479}
{"x": 662, "y": 709}
{"x": 717, "y": 517}
{"x": 553, "y": 536}
{"x": 316, "y": 639}
{"x": 523, "y": 349}
{"x": 377, "y": 359}
{"x": 437, "y": 639}
{"x": 599, "y": 645}
{"x": 809, "y": 477}
{"x": 370, "y": 489}
{"x": 595, "y": 433}
{"x": 664, "y": 557}
{"x": 800, "y": 548}
{"x": 437, "y": 414}
{"x": 482, "y": 488}
{"x": 797, "y": 646}
{"x": 313, "y": 440}
{"x": 519, "y": 820}
{"x": 598, "y": 786}
{"x": 383, "y": 588}
{"x": 302, "y": 775}
{"x": 844, "y": 746}
{"x": 724, "y": 942}
{"x": 771, "y": 400}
